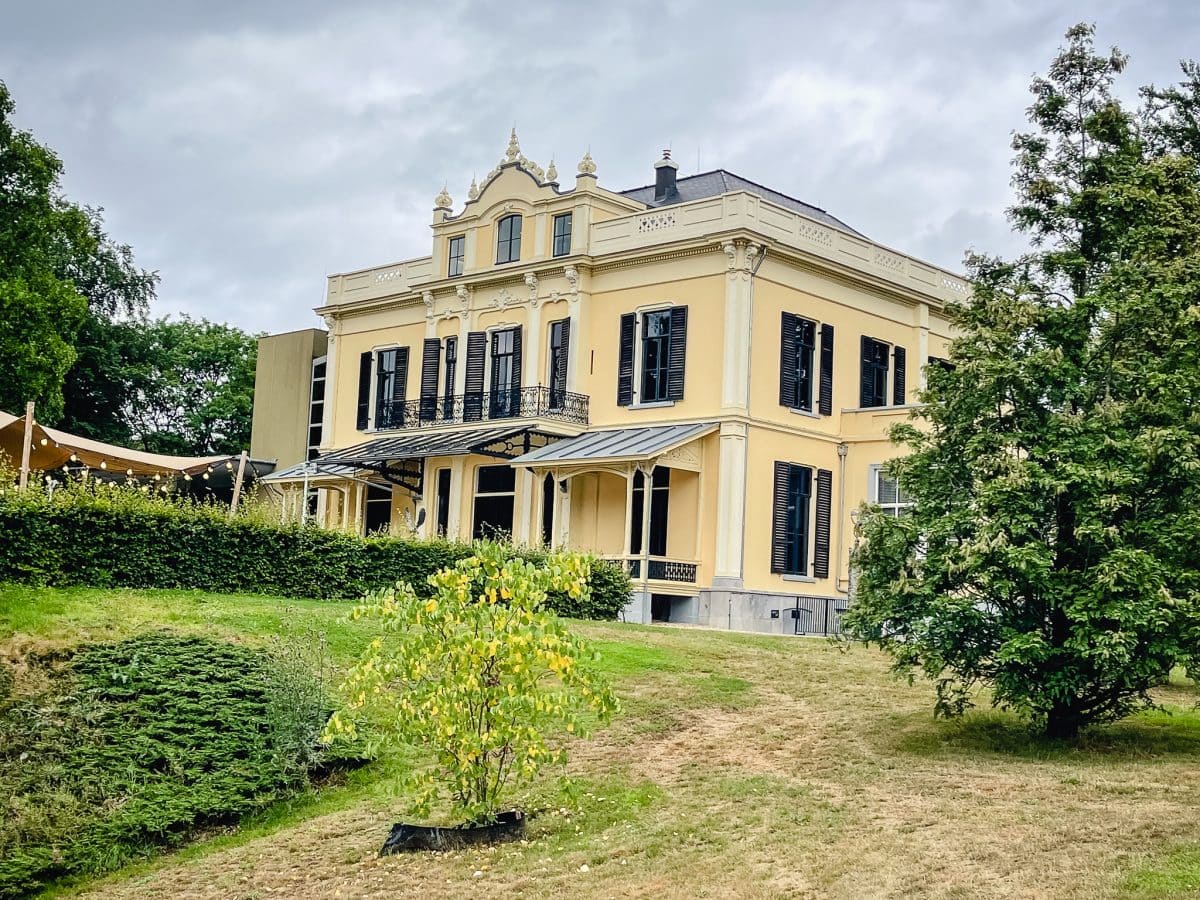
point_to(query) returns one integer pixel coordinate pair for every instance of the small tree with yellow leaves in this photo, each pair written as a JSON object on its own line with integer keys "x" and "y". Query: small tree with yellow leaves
{"x": 481, "y": 673}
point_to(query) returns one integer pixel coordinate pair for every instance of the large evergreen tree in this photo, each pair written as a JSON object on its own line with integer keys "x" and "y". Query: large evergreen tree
{"x": 1053, "y": 552}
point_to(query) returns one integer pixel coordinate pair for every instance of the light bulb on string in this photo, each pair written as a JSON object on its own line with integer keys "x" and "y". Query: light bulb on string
{"x": 206, "y": 476}
{"x": 229, "y": 465}
{"x": 104, "y": 464}
{"x": 44, "y": 441}
{"x": 74, "y": 458}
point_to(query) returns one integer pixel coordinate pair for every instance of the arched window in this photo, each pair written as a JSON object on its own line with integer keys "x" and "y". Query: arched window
{"x": 508, "y": 239}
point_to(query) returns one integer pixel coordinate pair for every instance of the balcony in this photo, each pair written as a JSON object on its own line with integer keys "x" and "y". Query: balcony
{"x": 537, "y": 402}
{"x": 659, "y": 568}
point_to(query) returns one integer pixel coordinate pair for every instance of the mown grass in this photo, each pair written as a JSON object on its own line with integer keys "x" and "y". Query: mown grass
{"x": 743, "y": 766}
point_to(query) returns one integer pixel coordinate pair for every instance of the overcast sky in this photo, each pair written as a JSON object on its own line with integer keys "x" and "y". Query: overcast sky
{"x": 246, "y": 150}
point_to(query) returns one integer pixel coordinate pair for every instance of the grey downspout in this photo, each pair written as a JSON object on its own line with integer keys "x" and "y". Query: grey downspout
{"x": 837, "y": 578}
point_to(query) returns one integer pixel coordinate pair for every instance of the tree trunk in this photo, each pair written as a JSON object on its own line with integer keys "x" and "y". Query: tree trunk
{"x": 1062, "y": 723}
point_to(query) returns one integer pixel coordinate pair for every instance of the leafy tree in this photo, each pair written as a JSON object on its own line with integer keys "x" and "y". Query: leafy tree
{"x": 40, "y": 311}
{"x": 480, "y": 672}
{"x": 192, "y": 385}
{"x": 1052, "y": 552}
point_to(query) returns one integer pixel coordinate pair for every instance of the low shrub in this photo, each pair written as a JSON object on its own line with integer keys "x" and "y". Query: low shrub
{"x": 139, "y": 743}
{"x": 99, "y": 535}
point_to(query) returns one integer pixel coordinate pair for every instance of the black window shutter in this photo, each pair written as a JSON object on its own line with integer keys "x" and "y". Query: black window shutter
{"x": 516, "y": 360}
{"x": 825, "y": 391}
{"x": 824, "y": 507}
{"x": 431, "y": 360}
{"x": 400, "y": 385}
{"x": 625, "y": 361}
{"x": 779, "y": 523}
{"x": 364, "y": 390}
{"x": 399, "y": 388}
{"x": 787, "y": 360}
{"x": 560, "y": 370}
{"x": 866, "y": 392}
{"x": 675, "y": 368}
{"x": 473, "y": 385}
{"x": 898, "y": 355}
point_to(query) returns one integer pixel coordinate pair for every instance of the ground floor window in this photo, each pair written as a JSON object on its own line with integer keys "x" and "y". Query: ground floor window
{"x": 548, "y": 510}
{"x": 659, "y": 503}
{"x": 441, "y": 504}
{"x": 495, "y": 489}
{"x": 377, "y": 516}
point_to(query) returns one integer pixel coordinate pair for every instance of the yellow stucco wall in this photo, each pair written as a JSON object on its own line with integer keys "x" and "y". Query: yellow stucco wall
{"x": 282, "y": 387}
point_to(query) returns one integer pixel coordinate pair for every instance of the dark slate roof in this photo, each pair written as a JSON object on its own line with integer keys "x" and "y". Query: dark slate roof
{"x": 719, "y": 181}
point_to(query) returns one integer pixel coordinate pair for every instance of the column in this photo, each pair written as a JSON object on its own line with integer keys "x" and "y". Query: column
{"x": 731, "y": 506}
{"x": 454, "y": 528}
{"x": 735, "y": 374}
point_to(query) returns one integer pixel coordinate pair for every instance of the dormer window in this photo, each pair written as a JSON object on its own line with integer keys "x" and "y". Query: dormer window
{"x": 508, "y": 239}
{"x": 457, "y": 252}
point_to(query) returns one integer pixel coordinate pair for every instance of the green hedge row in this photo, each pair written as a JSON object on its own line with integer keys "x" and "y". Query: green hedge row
{"x": 114, "y": 537}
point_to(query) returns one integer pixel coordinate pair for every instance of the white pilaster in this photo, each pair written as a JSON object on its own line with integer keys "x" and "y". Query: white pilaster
{"x": 731, "y": 508}
{"x": 735, "y": 374}
{"x": 922, "y": 343}
{"x": 454, "y": 527}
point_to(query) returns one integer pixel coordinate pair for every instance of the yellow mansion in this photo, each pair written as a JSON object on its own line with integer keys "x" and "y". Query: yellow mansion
{"x": 695, "y": 377}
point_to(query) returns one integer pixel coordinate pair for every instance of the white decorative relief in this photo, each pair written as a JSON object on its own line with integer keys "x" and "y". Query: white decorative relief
{"x": 656, "y": 222}
{"x": 953, "y": 284}
{"x": 890, "y": 261}
{"x": 818, "y": 234}
{"x": 389, "y": 275}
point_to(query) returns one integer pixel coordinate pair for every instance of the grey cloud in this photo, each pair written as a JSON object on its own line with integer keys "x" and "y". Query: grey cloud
{"x": 247, "y": 150}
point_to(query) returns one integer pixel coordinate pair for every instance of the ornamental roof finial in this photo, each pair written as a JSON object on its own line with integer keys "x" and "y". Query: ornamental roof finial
{"x": 514, "y": 148}
{"x": 587, "y": 166}
{"x": 442, "y": 200}
{"x": 473, "y": 190}
{"x": 551, "y": 172}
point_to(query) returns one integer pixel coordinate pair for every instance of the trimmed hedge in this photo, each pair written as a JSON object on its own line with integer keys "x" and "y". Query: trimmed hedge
{"x": 115, "y": 537}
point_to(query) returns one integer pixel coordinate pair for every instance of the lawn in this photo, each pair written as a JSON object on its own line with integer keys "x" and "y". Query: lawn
{"x": 742, "y": 767}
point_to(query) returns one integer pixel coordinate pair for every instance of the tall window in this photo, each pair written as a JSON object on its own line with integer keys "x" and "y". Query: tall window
{"x": 505, "y": 391}
{"x": 448, "y": 384}
{"x": 495, "y": 487}
{"x": 385, "y": 388}
{"x": 799, "y": 494}
{"x": 874, "y": 372}
{"x": 806, "y": 336}
{"x": 888, "y": 495}
{"x": 562, "y": 234}
{"x": 659, "y": 504}
{"x": 508, "y": 239}
{"x": 316, "y": 407}
{"x": 656, "y": 355}
{"x": 377, "y": 512}
{"x": 441, "y": 509}
{"x": 457, "y": 251}
{"x": 558, "y": 367}
{"x": 548, "y": 487}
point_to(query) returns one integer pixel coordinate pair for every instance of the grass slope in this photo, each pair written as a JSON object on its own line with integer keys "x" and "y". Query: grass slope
{"x": 743, "y": 767}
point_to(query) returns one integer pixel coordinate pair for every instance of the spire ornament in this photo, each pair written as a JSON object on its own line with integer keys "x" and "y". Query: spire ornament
{"x": 442, "y": 200}
{"x": 551, "y": 173}
{"x": 514, "y": 148}
{"x": 473, "y": 190}
{"x": 587, "y": 166}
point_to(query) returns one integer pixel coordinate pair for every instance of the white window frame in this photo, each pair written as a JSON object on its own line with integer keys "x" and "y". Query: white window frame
{"x": 638, "y": 314}
{"x": 895, "y": 509}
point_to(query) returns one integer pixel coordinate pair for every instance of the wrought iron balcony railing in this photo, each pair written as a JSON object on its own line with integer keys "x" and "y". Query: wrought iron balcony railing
{"x": 485, "y": 406}
{"x": 660, "y": 568}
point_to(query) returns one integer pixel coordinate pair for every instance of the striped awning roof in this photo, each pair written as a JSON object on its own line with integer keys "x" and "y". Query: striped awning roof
{"x": 627, "y": 444}
{"x": 505, "y": 442}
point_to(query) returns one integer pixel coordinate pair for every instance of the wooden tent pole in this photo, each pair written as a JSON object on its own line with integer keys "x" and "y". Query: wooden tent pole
{"x": 237, "y": 483}
{"x": 28, "y": 445}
